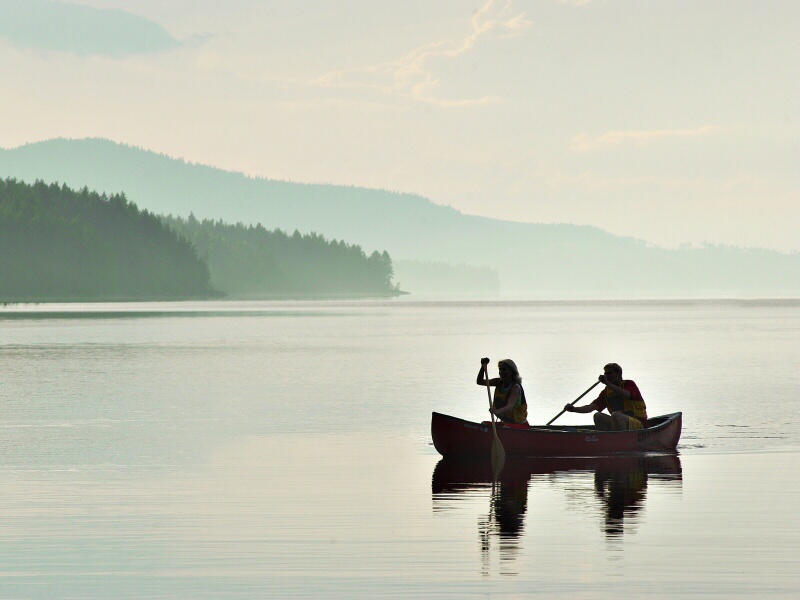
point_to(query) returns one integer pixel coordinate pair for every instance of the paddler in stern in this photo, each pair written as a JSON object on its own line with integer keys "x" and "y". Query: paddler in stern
{"x": 509, "y": 403}
{"x": 621, "y": 398}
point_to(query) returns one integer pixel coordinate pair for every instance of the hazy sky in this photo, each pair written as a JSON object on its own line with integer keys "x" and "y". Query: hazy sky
{"x": 670, "y": 121}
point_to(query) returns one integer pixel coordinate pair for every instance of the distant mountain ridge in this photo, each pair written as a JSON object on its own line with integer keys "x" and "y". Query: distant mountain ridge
{"x": 533, "y": 259}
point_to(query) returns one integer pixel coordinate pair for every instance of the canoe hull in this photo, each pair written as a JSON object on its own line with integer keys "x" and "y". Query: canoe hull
{"x": 456, "y": 437}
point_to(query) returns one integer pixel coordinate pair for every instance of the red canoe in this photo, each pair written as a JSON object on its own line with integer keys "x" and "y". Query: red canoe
{"x": 456, "y": 437}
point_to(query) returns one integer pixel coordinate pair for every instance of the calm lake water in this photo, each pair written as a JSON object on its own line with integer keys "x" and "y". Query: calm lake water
{"x": 282, "y": 449}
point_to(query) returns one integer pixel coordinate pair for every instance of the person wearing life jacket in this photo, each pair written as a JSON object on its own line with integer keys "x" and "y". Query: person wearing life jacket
{"x": 621, "y": 398}
{"x": 509, "y": 404}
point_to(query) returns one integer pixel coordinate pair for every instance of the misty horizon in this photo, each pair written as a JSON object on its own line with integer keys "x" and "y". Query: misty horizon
{"x": 529, "y": 259}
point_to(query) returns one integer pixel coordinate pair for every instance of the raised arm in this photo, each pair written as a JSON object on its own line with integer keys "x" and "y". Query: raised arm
{"x": 481, "y": 380}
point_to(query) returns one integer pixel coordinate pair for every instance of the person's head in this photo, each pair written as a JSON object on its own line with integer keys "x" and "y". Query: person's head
{"x": 508, "y": 371}
{"x": 613, "y": 373}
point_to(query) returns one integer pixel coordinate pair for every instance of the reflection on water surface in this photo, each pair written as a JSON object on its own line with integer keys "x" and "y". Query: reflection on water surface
{"x": 618, "y": 491}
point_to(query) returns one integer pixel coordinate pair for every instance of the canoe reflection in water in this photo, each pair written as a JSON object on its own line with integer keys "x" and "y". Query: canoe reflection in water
{"x": 620, "y": 483}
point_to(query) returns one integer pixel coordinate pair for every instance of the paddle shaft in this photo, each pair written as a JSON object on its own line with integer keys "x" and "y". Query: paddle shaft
{"x": 489, "y": 393}
{"x": 573, "y": 402}
{"x": 497, "y": 445}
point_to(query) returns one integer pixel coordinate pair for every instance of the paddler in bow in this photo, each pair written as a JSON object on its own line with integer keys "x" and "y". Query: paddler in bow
{"x": 509, "y": 403}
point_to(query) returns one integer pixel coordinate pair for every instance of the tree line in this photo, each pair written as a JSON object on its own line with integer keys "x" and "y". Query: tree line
{"x": 249, "y": 260}
{"x": 60, "y": 244}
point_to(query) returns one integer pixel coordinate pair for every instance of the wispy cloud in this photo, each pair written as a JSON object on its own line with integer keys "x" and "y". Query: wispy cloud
{"x": 587, "y": 143}
{"x": 413, "y": 76}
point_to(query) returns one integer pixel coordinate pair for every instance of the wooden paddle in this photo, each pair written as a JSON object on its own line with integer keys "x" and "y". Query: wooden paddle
{"x": 573, "y": 402}
{"x": 498, "y": 452}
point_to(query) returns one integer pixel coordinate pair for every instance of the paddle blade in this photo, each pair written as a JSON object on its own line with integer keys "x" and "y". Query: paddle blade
{"x": 498, "y": 455}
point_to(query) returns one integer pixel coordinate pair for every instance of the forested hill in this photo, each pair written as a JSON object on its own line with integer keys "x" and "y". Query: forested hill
{"x": 59, "y": 244}
{"x": 249, "y": 260}
{"x": 537, "y": 260}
